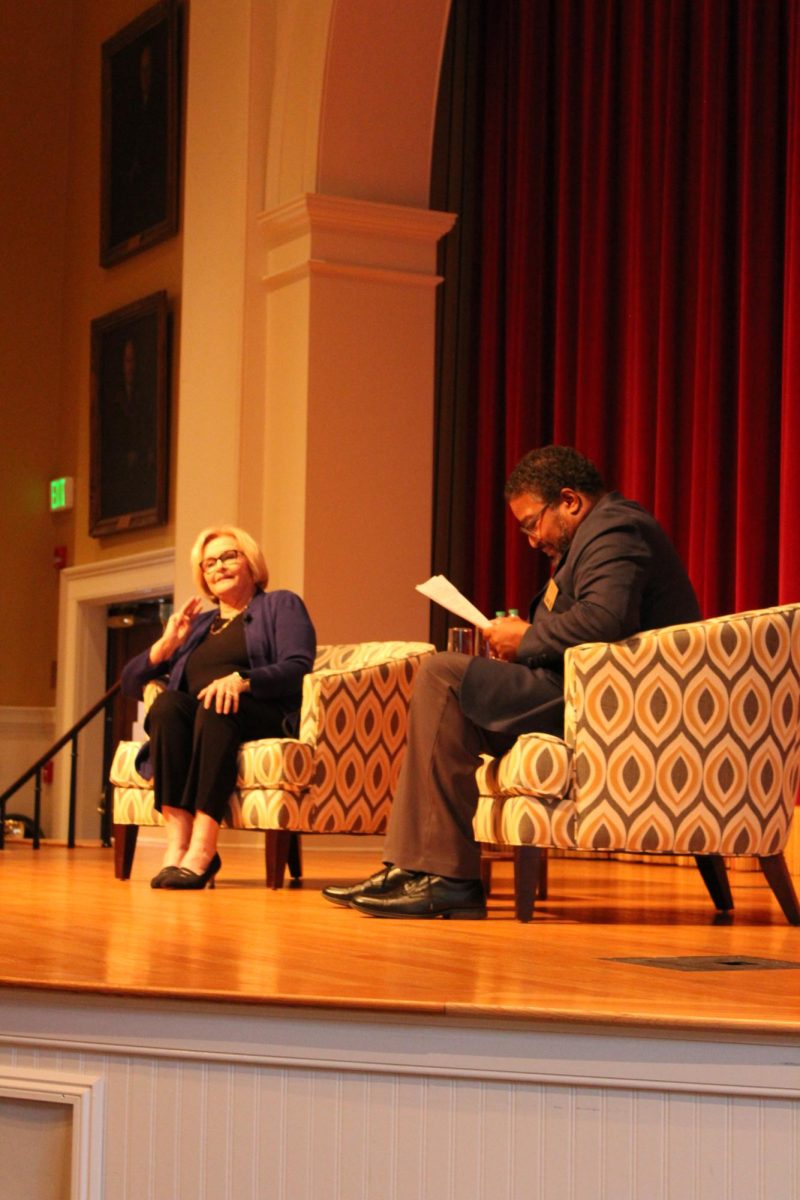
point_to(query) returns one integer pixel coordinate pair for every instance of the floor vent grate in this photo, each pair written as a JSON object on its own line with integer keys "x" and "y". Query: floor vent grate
{"x": 719, "y": 962}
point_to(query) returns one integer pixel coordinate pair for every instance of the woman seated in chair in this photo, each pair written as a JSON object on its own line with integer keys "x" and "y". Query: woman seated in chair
{"x": 235, "y": 674}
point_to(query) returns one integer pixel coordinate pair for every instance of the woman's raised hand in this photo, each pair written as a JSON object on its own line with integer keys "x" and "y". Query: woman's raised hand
{"x": 176, "y": 630}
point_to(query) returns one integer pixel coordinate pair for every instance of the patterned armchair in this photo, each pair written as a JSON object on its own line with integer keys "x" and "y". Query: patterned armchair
{"x": 683, "y": 741}
{"x": 337, "y": 776}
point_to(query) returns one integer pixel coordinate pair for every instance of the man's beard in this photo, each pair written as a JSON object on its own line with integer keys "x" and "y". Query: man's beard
{"x": 562, "y": 543}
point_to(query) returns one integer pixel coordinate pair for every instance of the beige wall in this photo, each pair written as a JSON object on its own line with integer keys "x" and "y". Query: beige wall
{"x": 52, "y": 287}
{"x": 91, "y": 290}
{"x": 34, "y": 66}
{"x": 305, "y": 414}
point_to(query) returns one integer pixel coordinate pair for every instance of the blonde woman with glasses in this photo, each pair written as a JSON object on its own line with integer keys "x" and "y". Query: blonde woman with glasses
{"x": 235, "y": 673}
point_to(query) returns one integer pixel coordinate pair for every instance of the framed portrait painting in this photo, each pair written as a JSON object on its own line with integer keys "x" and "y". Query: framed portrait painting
{"x": 140, "y": 134}
{"x": 129, "y": 434}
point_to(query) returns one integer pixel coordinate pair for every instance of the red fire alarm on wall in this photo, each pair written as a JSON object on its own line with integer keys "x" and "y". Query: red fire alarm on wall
{"x": 59, "y": 557}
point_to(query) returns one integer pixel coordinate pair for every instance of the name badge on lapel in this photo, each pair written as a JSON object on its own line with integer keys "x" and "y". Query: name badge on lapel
{"x": 550, "y": 595}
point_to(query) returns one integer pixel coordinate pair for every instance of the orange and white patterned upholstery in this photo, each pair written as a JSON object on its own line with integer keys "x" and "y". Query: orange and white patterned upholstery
{"x": 525, "y": 796}
{"x": 683, "y": 740}
{"x": 338, "y": 775}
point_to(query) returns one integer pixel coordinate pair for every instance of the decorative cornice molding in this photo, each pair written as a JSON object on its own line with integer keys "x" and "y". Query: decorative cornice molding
{"x": 365, "y": 274}
{"x": 361, "y": 240}
{"x": 313, "y": 212}
{"x": 374, "y": 274}
{"x": 108, "y": 567}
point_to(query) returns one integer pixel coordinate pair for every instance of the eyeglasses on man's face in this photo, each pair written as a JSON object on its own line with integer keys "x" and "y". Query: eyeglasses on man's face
{"x": 529, "y": 527}
{"x": 227, "y": 559}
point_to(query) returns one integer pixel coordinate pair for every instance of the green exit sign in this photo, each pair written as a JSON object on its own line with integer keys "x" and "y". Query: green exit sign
{"x": 61, "y": 494}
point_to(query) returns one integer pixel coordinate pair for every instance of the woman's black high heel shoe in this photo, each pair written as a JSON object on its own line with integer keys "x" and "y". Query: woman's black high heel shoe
{"x": 181, "y": 879}
{"x": 158, "y": 880}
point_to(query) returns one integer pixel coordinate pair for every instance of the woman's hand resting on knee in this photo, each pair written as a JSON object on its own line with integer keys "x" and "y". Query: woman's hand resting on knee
{"x": 223, "y": 694}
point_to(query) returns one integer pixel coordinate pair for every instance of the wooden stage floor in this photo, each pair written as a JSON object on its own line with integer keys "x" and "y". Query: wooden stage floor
{"x": 68, "y": 925}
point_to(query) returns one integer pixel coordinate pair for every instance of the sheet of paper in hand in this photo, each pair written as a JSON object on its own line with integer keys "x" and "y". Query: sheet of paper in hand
{"x": 442, "y": 591}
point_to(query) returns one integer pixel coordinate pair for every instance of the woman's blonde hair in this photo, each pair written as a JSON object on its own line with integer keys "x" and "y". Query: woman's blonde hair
{"x": 248, "y": 546}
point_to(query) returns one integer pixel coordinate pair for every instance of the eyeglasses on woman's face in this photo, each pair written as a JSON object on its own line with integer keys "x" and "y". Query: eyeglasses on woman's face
{"x": 227, "y": 559}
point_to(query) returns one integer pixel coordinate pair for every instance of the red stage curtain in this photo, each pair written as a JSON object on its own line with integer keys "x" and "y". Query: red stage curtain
{"x": 639, "y": 259}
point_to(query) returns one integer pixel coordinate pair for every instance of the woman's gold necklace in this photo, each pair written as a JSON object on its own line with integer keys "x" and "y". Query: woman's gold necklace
{"x": 220, "y": 623}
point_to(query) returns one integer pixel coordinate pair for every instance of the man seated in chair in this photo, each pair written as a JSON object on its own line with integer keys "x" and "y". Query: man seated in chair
{"x": 615, "y": 573}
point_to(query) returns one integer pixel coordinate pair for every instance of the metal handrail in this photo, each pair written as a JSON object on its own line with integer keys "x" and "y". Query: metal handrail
{"x": 35, "y": 771}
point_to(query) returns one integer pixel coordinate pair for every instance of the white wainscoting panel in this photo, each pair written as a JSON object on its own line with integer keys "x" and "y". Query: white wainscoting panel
{"x": 46, "y": 1082}
{"x": 230, "y": 1103}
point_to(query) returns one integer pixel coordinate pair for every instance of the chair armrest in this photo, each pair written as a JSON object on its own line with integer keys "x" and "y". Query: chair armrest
{"x": 123, "y": 771}
{"x": 536, "y": 765}
{"x": 153, "y": 689}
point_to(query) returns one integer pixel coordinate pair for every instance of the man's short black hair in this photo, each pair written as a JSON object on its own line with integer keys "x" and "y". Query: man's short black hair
{"x": 544, "y": 472}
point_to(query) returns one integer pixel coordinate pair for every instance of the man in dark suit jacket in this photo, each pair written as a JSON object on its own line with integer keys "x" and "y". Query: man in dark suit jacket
{"x": 615, "y": 573}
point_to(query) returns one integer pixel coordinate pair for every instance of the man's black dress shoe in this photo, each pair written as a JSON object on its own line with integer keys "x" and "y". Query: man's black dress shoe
{"x": 383, "y": 881}
{"x": 428, "y": 896}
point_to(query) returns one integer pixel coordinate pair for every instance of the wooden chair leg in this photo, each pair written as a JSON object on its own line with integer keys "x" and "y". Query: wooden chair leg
{"x": 276, "y": 852}
{"x": 779, "y": 879}
{"x": 295, "y": 858}
{"x": 124, "y": 849}
{"x": 491, "y": 855}
{"x": 715, "y": 877}
{"x": 541, "y": 891}
{"x": 527, "y": 872}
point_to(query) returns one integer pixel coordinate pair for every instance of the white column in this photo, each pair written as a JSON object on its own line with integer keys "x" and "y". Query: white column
{"x": 346, "y": 460}
{"x": 226, "y": 123}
